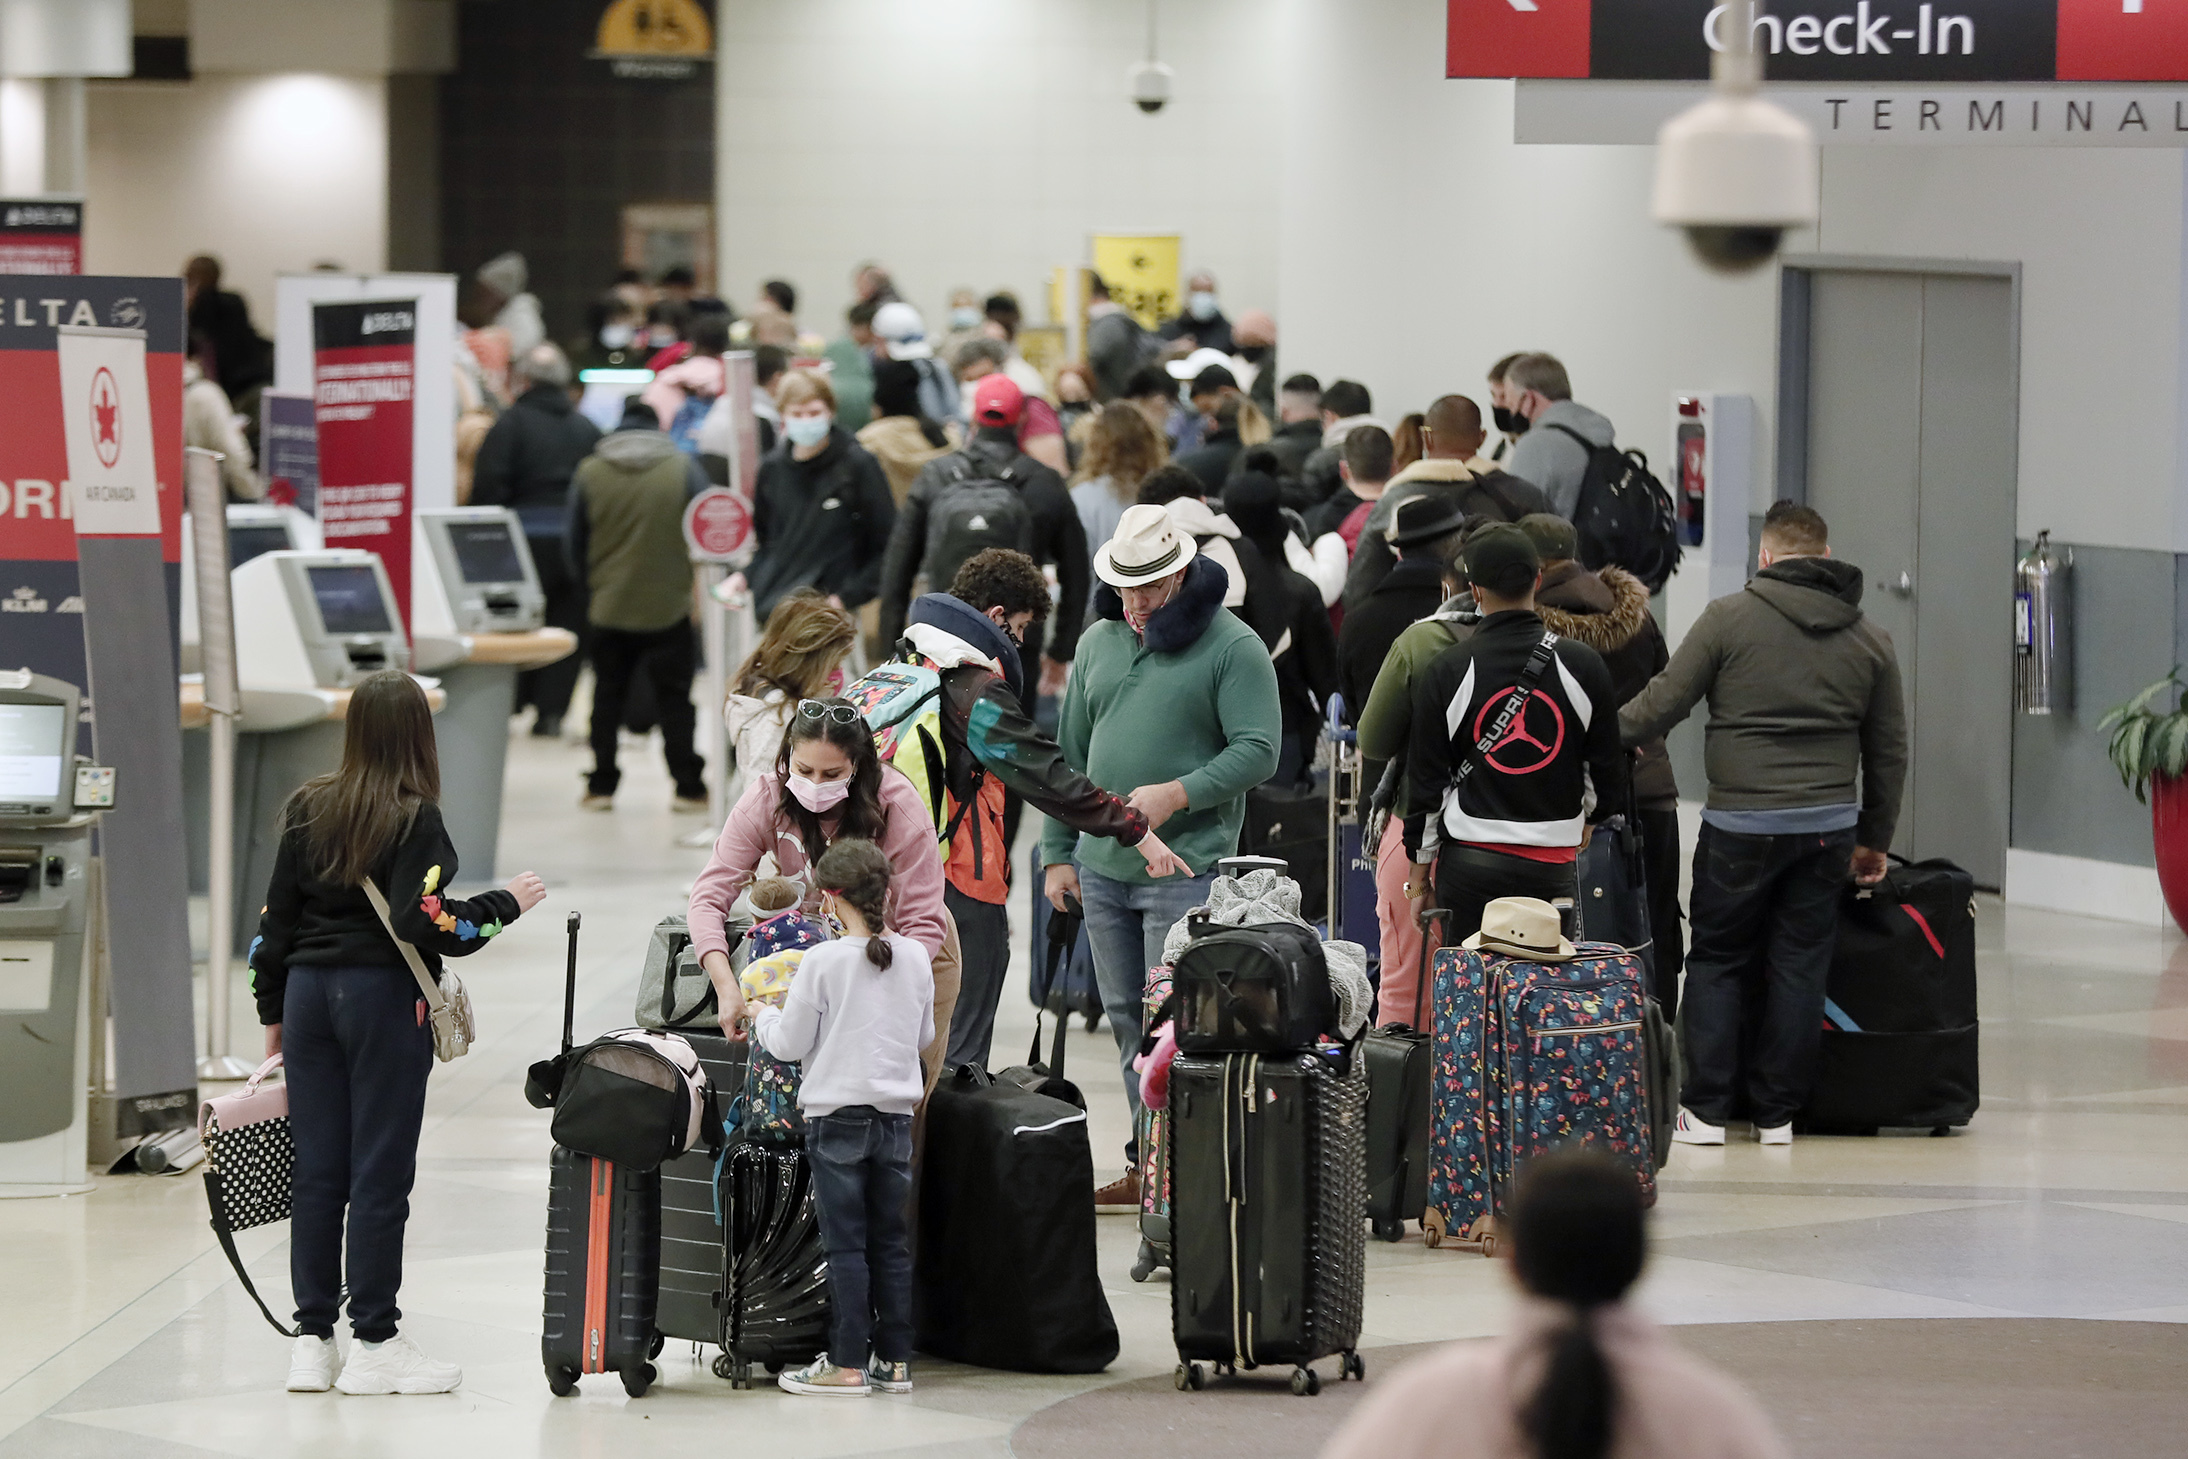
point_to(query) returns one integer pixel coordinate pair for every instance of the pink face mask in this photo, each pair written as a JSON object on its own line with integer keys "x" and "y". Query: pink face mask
{"x": 819, "y": 797}
{"x": 1138, "y": 621}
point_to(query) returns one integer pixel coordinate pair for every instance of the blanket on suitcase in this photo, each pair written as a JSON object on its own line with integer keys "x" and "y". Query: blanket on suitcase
{"x": 1263, "y": 896}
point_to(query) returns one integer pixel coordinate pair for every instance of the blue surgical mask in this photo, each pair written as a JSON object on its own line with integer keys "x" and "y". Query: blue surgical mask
{"x": 616, "y": 336}
{"x": 807, "y": 430}
{"x": 966, "y": 317}
{"x": 1201, "y": 304}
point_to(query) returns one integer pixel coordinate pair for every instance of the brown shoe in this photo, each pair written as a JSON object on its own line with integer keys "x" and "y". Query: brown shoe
{"x": 1121, "y": 1197}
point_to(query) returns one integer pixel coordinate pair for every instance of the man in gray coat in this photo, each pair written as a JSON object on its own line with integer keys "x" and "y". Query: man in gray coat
{"x": 1553, "y": 454}
{"x": 1804, "y": 699}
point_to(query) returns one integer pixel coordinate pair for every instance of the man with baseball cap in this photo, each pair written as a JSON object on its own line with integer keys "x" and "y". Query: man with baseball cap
{"x": 903, "y": 336}
{"x": 1037, "y": 518}
{"x": 1172, "y": 704}
{"x": 1515, "y": 747}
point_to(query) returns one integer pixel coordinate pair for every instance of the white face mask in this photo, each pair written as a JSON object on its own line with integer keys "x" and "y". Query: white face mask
{"x": 616, "y": 336}
{"x": 965, "y": 318}
{"x": 1201, "y": 304}
{"x": 807, "y": 430}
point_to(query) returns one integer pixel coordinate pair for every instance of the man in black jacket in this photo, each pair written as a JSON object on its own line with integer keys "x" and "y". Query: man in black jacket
{"x": 1514, "y": 826}
{"x": 525, "y": 463}
{"x": 1427, "y": 538}
{"x": 1058, "y": 539}
{"x": 1298, "y": 436}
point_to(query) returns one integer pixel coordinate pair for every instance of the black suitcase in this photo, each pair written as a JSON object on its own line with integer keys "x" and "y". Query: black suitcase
{"x": 1269, "y": 1243}
{"x": 1614, "y": 890}
{"x": 693, "y": 1247}
{"x": 1397, "y": 1058}
{"x": 1065, "y": 988}
{"x": 1261, "y": 989}
{"x": 599, "y": 1314}
{"x": 603, "y": 1256}
{"x": 1292, "y": 825}
{"x": 1007, "y": 1274}
{"x": 1900, "y": 1037}
{"x": 775, "y": 1298}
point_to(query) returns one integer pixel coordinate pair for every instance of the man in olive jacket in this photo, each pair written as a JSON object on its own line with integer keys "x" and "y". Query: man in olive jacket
{"x": 1804, "y": 694}
{"x": 626, "y": 544}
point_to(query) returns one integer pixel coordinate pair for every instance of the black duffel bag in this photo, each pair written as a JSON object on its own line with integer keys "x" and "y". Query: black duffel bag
{"x": 1900, "y": 1038}
{"x": 1263, "y": 989}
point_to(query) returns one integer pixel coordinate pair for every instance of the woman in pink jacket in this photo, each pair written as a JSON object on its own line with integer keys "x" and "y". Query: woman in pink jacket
{"x": 1581, "y": 1375}
{"x": 828, "y": 783}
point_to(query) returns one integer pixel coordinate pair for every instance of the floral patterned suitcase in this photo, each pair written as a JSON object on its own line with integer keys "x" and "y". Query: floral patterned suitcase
{"x": 1528, "y": 1057}
{"x": 1151, "y": 1129}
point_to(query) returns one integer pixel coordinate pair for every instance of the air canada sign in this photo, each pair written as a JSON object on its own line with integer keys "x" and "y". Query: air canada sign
{"x": 1847, "y": 41}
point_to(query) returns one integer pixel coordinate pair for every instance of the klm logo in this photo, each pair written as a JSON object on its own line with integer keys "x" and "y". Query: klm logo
{"x": 23, "y": 600}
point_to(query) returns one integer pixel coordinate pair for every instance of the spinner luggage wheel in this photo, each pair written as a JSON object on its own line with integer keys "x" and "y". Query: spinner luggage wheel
{"x": 1489, "y": 1244}
{"x": 1355, "y": 1368}
{"x": 1306, "y": 1382}
{"x": 1190, "y": 1377}
{"x": 561, "y": 1381}
{"x": 1392, "y": 1231}
{"x": 1143, "y": 1266}
{"x": 660, "y": 1341}
{"x": 723, "y": 1367}
{"x": 637, "y": 1380}
{"x": 1432, "y": 1227}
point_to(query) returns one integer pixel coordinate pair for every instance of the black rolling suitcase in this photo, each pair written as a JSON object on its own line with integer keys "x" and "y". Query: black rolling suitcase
{"x": 1007, "y": 1274}
{"x": 1900, "y": 1034}
{"x": 775, "y": 1298}
{"x": 1397, "y": 1057}
{"x": 1292, "y": 824}
{"x": 693, "y": 1245}
{"x": 1269, "y": 1242}
{"x": 603, "y": 1258}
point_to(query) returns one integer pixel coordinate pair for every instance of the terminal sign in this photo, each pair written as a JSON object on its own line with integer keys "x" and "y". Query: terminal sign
{"x": 717, "y": 525}
{"x": 1824, "y": 40}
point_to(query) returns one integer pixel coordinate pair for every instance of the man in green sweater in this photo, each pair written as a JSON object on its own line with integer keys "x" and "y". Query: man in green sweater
{"x": 1172, "y": 703}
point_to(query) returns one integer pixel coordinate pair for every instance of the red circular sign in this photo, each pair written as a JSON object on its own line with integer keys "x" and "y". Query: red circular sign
{"x": 717, "y": 524}
{"x": 106, "y": 417}
{"x": 1531, "y": 740}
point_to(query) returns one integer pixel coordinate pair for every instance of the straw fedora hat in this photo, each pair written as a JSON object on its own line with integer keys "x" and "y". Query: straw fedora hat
{"x": 1147, "y": 547}
{"x": 1526, "y": 927}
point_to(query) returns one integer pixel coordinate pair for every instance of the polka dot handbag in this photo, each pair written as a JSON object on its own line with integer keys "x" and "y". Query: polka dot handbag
{"x": 249, "y": 1162}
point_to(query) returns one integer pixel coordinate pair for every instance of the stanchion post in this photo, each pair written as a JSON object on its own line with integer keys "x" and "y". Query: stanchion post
{"x": 208, "y": 508}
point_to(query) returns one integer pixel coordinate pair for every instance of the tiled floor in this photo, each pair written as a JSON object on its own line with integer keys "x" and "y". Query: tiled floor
{"x": 126, "y": 1336}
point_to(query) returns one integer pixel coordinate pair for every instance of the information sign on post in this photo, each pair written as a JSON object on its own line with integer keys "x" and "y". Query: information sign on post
{"x": 717, "y": 525}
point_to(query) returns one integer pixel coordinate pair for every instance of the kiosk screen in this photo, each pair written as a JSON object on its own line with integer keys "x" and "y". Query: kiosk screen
{"x": 245, "y": 543}
{"x": 485, "y": 552}
{"x": 349, "y": 600}
{"x": 32, "y": 742}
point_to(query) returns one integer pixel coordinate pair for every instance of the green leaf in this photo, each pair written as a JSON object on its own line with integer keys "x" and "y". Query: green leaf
{"x": 2171, "y": 754}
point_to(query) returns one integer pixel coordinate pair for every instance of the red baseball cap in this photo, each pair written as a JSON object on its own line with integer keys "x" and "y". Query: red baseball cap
{"x": 997, "y": 400}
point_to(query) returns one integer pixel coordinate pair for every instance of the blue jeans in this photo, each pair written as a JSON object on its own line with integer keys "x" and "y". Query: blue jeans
{"x": 357, "y": 1056}
{"x": 862, "y": 1186}
{"x": 1764, "y": 926}
{"x": 1125, "y": 926}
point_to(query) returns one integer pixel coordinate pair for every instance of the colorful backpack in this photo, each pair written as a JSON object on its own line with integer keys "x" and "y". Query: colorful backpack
{"x": 902, "y": 705}
{"x": 771, "y": 1115}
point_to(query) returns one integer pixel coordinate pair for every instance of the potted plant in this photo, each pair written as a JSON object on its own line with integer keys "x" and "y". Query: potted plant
{"x": 2149, "y": 747}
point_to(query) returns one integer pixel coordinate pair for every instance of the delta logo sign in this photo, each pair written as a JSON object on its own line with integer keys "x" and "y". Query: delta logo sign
{"x": 1824, "y": 40}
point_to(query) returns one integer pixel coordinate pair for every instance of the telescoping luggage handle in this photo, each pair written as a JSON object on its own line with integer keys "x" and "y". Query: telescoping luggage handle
{"x": 1063, "y": 931}
{"x": 543, "y": 1081}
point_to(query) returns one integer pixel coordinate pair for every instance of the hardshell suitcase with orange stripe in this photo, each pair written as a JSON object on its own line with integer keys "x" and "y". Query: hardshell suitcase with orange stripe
{"x": 603, "y": 1271}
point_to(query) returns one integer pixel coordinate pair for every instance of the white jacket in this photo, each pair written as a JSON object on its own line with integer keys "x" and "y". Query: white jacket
{"x": 755, "y": 736}
{"x": 1195, "y": 518}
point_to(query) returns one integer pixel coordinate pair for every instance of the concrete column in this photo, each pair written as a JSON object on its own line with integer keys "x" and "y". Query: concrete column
{"x": 65, "y": 135}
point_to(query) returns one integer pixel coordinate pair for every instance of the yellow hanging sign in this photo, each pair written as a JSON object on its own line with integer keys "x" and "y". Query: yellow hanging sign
{"x": 1141, "y": 271}
{"x": 655, "y": 28}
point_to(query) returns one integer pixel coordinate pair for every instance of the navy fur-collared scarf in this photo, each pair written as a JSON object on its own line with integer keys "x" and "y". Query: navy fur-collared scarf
{"x": 1179, "y": 623}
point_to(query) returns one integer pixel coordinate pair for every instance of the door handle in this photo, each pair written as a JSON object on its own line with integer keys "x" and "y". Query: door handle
{"x": 1903, "y": 585}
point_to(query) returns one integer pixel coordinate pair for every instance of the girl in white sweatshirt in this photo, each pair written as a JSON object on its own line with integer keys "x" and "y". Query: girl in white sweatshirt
{"x": 859, "y": 1012}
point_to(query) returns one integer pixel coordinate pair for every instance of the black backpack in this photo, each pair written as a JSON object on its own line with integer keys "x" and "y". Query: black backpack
{"x": 1623, "y": 515}
{"x": 980, "y": 505}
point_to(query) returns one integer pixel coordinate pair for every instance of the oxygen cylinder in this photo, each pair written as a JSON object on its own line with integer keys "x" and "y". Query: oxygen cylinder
{"x": 2043, "y": 629}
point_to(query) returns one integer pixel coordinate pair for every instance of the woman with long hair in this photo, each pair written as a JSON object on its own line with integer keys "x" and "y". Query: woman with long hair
{"x": 1581, "y": 1375}
{"x": 828, "y": 783}
{"x": 344, "y": 1011}
{"x": 1406, "y": 444}
{"x": 1122, "y": 450}
{"x": 799, "y": 657}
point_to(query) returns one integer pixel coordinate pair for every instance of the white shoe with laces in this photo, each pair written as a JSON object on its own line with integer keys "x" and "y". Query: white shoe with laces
{"x": 1774, "y": 1134}
{"x": 313, "y": 1362}
{"x": 1692, "y": 1130}
{"x": 395, "y": 1366}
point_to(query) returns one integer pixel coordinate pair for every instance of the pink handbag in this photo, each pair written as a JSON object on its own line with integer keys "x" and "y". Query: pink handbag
{"x": 250, "y": 1159}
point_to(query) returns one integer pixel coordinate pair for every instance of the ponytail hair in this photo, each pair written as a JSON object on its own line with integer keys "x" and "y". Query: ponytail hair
{"x": 858, "y": 872}
{"x": 1578, "y": 1238}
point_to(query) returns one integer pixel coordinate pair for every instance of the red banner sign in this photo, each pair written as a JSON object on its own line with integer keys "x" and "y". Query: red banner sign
{"x": 364, "y": 371}
{"x": 39, "y": 236}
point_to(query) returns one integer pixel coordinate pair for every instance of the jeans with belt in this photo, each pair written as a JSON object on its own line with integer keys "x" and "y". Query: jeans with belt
{"x": 862, "y": 1191}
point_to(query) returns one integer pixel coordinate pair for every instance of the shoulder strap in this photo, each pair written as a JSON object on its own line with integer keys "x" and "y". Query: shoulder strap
{"x": 216, "y": 1197}
{"x": 1496, "y": 494}
{"x": 426, "y": 985}
{"x": 1537, "y": 661}
{"x": 1585, "y": 444}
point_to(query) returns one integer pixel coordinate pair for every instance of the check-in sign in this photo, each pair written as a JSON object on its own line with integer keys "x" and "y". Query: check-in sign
{"x": 1850, "y": 41}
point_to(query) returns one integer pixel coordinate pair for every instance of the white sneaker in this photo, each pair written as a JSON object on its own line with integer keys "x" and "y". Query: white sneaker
{"x": 395, "y": 1366}
{"x": 313, "y": 1362}
{"x": 1692, "y": 1130}
{"x": 1774, "y": 1134}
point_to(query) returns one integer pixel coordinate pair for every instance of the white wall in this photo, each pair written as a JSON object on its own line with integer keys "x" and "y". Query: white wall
{"x": 271, "y": 174}
{"x": 980, "y": 142}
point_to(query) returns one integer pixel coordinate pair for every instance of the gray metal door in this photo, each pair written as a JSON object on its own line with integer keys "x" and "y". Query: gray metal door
{"x": 1910, "y": 419}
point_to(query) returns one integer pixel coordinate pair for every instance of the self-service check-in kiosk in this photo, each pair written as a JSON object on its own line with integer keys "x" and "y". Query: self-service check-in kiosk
{"x": 254, "y": 529}
{"x": 476, "y": 616}
{"x": 309, "y": 625}
{"x": 47, "y": 803}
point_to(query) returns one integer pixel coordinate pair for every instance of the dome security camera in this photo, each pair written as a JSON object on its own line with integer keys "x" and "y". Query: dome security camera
{"x": 1150, "y": 81}
{"x": 1734, "y": 173}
